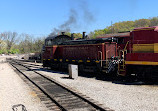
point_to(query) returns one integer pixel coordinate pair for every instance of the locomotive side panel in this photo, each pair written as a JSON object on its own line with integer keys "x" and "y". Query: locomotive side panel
{"x": 82, "y": 52}
{"x": 58, "y": 52}
{"x": 48, "y": 53}
{"x": 111, "y": 50}
{"x": 47, "y": 56}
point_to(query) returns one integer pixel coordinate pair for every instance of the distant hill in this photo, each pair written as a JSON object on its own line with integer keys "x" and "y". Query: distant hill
{"x": 125, "y": 26}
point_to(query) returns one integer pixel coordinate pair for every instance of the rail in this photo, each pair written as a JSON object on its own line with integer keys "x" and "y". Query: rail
{"x": 54, "y": 90}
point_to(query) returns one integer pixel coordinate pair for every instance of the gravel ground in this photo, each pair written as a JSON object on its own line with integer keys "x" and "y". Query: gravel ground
{"x": 13, "y": 91}
{"x": 115, "y": 96}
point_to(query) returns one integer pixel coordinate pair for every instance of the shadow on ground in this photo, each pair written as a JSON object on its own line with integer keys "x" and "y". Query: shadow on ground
{"x": 98, "y": 76}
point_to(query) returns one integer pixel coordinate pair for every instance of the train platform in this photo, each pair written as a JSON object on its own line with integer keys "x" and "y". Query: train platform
{"x": 14, "y": 91}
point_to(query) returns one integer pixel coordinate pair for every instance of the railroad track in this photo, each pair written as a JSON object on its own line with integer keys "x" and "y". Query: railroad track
{"x": 64, "y": 97}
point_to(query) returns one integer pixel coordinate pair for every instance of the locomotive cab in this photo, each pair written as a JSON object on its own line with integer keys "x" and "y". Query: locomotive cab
{"x": 50, "y": 46}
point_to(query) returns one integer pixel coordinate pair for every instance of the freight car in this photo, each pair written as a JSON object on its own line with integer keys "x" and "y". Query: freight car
{"x": 94, "y": 55}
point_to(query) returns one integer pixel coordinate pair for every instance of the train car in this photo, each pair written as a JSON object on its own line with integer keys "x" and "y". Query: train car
{"x": 142, "y": 61}
{"x": 92, "y": 55}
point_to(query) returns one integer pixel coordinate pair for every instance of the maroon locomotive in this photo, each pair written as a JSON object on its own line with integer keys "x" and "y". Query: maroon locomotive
{"x": 90, "y": 55}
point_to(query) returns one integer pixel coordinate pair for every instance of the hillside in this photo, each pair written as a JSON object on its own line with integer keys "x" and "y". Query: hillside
{"x": 125, "y": 26}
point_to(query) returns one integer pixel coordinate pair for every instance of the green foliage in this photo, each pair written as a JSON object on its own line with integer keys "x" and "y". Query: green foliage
{"x": 125, "y": 26}
{"x": 11, "y": 51}
{"x": 68, "y": 33}
{"x": 28, "y": 45}
{"x": 154, "y": 21}
{"x": 3, "y": 51}
{"x": 77, "y": 35}
{"x": 142, "y": 23}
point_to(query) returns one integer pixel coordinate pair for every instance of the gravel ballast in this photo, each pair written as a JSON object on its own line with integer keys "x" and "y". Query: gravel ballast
{"x": 119, "y": 97}
{"x": 13, "y": 91}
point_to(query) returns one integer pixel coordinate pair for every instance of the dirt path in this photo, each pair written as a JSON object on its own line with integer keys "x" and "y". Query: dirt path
{"x": 13, "y": 90}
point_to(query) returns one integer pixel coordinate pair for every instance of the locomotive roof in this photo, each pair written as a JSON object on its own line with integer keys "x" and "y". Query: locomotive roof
{"x": 52, "y": 37}
{"x": 56, "y": 36}
{"x": 155, "y": 28}
{"x": 125, "y": 34}
{"x": 90, "y": 41}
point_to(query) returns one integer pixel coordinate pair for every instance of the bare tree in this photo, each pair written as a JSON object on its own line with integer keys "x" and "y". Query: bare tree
{"x": 10, "y": 39}
{"x": 38, "y": 44}
{"x": 25, "y": 45}
{"x": 1, "y": 39}
{"x": 30, "y": 44}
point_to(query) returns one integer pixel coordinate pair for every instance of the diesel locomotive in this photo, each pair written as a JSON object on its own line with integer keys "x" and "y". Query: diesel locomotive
{"x": 91, "y": 55}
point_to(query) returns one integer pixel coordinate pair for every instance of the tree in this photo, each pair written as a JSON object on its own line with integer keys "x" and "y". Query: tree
{"x": 10, "y": 38}
{"x": 154, "y": 21}
{"x": 26, "y": 44}
{"x": 30, "y": 44}
{"x": 123, "y": 26}
{"x": 142, "y": 23}
{"x": 77, "y": 35}
{"x": 38, "y": 44}
{"x": 99, "y": 32}
{"x": 1, "y": 40}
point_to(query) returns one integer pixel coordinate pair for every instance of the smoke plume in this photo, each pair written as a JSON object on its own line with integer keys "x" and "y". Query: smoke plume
{"x": 67, "y": 25}
{"x": 73, "y": 19}
{"x": 87, "y": 14}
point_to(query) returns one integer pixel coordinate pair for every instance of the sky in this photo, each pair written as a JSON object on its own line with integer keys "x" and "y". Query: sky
{"x": 41, "y": 17}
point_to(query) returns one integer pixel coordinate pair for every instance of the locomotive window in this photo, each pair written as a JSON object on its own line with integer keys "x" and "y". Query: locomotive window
{"x": 49, "y": 42}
